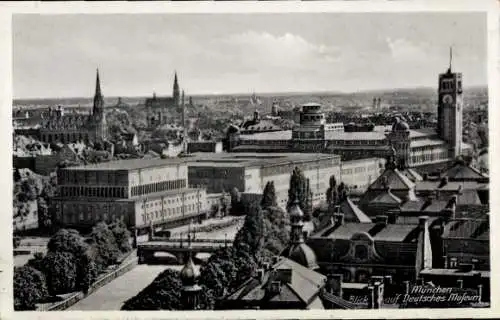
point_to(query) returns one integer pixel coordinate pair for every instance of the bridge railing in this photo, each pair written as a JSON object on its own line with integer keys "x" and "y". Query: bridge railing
{"x": 184, "y": 240}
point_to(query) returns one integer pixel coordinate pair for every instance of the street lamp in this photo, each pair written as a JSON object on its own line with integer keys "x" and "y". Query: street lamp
{"x": 225, "y": 239}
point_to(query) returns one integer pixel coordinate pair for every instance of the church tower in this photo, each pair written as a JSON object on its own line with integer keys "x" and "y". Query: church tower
{"x": 98, "y": 107}
{"x": 450, "y": 108}
{"x": 176, "y": 91}
{"x": 98, "y": 111}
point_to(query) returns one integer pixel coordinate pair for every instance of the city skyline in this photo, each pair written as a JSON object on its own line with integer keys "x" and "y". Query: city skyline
{"x": 261, "y": 52}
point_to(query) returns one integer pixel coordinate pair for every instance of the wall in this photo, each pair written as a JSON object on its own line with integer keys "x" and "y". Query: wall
{"x": 360, "y": 173}
{"x": 169, "y": 207}
{"x": 217, "y": 178}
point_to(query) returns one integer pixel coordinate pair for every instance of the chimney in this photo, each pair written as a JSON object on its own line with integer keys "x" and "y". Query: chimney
{"x": 387, "y": 280}
{"x": 275, "y": 260}
{"x": 445, "y": 262}
{"x": 371, "y": 297}
{"x": 260, "y": 275}
{"x": 424, "y": 250}
{"x": 265, "y": 266}
{"x": 480, "y": 292}
{"x": 475, "y": 263}
{"x": 378, "y": 294}
{"x": 339, "y": 219}
{"x": 407, "y": 286}
{"x": 382, "y": 219}
{"x": 334, "y": 284}
{"x": 460, "y": 283}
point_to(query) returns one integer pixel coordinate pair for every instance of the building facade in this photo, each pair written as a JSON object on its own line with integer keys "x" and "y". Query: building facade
{"x": 71, "y": 128}
{"x": 142, "y": 192}
{"x": 419, "y": 148}
{"x": 249, "y": 172}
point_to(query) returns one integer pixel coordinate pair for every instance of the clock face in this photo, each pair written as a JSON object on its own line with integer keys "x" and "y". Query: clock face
{"x": 448, "y": 98}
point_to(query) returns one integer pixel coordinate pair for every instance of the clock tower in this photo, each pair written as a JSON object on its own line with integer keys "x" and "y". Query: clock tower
{"x": 450, "y": 107}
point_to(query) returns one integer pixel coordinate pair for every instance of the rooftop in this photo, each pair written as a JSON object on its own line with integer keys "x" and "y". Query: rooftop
{"x": 129, "y": 164}
{"x": 253, "y": 159}
{"x": 379, "y": 232}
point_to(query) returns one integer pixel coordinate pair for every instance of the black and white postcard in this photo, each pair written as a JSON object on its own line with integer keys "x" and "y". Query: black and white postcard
{"x": 300, "y": 160}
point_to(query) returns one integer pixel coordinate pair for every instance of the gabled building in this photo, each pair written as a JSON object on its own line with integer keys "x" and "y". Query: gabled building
{"x": 284, "y": 285}
{"x": 359, "y": 251}
{"x": 60, "y": 127}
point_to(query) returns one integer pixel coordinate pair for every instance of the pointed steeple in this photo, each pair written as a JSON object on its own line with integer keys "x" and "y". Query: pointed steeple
{"x": 451, "y": 59}
{"x": 176, "y": 90}
{"x": 98, "y": 98}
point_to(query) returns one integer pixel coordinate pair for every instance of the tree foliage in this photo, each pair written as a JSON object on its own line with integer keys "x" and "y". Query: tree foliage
{"x": 122, "y": 236}
{"x": 164, "y": 293}
{"x": 103, "y": 240}
{"x": 60, "y": 269}
{"x": 269, "y": 196}
{"x": 29, "y": 287}
{"x": 299, "y": 189}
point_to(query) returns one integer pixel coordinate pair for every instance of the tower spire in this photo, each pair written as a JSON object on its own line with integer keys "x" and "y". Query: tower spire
{"x": 451, "y": 58}
{"x": 98, "y": 98}
{"x": 176, "y": 91}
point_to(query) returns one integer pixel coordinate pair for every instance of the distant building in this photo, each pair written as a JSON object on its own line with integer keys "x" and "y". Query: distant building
{"x": 142, "y": 192}
{"x": 426, "y": 149}
{"x": 70, "y": 128}
{"x": 249, "y": 172}
{"x": 359, "y": 251}
{"x": 158, "y": 107}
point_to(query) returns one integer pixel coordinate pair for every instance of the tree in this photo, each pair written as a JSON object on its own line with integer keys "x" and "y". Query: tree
{"x": 164, "y": 293}
{"x": 104, "y": 242}
{"x": 122, "y": 235}
{"x": 251, "y": 235}
{"x": 237, "y": 205}
{"x": 44, "y": 217}
{"x": 269, "y": 196}
{"x": 69, "y": 240}
{"x": 331, "y": 193}
{"x": 61, "y": 272}
{"x": 298, "y": 188}
{"x": 29, "y": 287}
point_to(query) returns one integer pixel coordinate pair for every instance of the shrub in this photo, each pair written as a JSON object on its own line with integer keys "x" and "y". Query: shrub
{"x": 60, "y": 272}
{"x": 29, "y": 287}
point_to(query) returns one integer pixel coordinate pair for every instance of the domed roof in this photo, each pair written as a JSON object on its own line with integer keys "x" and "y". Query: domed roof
{"x": 302, "y": 254}
{"x": 400, "y": 125}
{"x": 233, "y": 129}
{"x": 189, "y": 273}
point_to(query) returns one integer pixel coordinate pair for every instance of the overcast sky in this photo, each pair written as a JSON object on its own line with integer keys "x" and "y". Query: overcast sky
{"x": 57, "y": 55}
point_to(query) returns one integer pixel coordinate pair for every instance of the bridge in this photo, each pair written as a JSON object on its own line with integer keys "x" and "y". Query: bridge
{"x": 178, "y": 247}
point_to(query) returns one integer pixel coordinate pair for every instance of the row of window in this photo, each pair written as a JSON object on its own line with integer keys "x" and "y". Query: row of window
{"x": 165, "y": 202}
{"x": 358, "y": 142}
{"x": 62, "y": 137}
{"x": 158, "y": 187}
{"x": 90, "y": 177}
{"x": 429, "y": 157}
{"x": 168, "y": 213}
{"x": 315, "y": 117}
{"x": 78, "y": 217}
{"x": 100, "y": 192}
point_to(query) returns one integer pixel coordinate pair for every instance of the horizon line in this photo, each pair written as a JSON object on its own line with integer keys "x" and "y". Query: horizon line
{"x": 250, "y": 93}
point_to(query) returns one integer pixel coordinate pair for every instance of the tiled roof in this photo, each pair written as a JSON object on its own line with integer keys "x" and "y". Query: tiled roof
{"x": 389, "y": 232}
{"x": 386, "y": 197}
{"x": 305, "y": 284}
{"x": 463, "y": 172}
{"x": 395, "y": 180}
{"x": 395, "y": 233}
{"x": 352, "y": 212}
{"x": 478, "y": 229}
{"x": 130, "y": 164}
{"x": 449, "y": 186}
